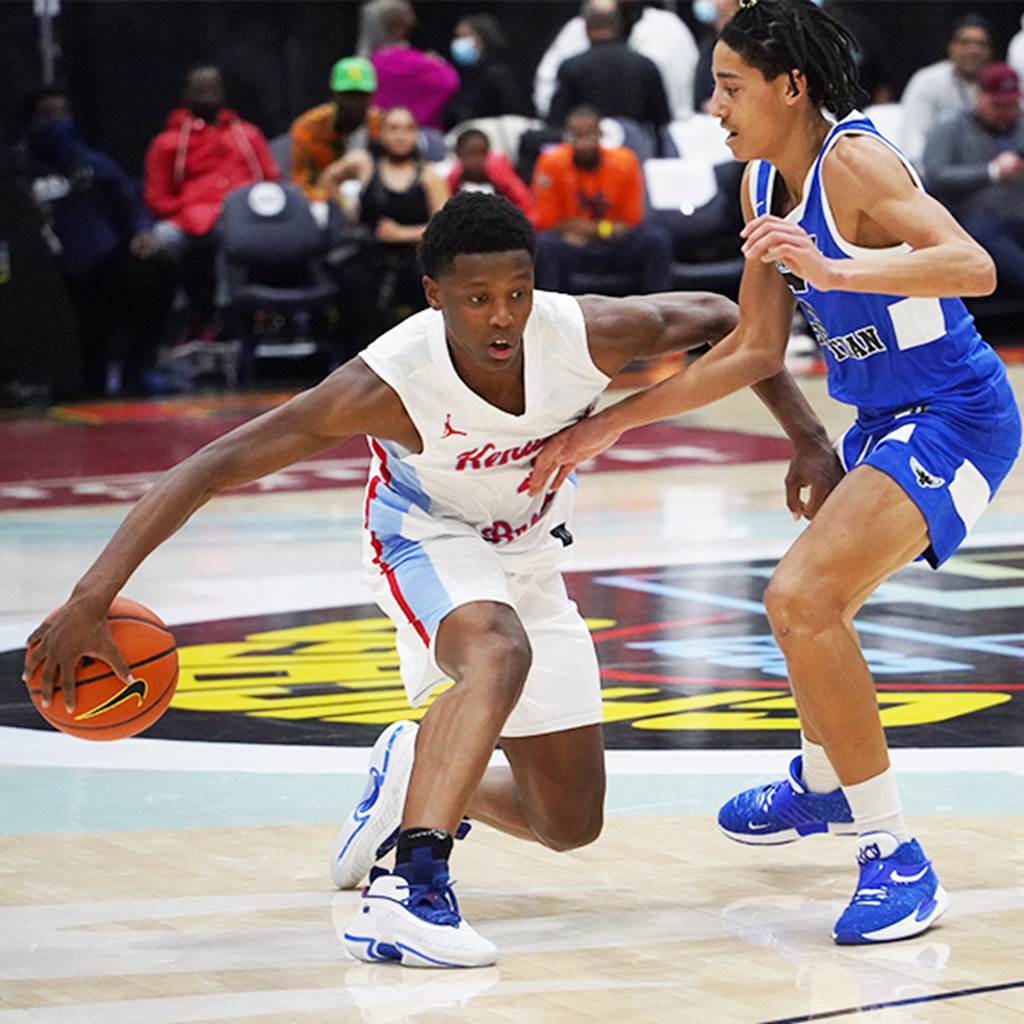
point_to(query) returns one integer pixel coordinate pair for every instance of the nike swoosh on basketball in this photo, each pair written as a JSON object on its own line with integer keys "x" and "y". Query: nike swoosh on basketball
{"x": 136, "y": 689}
{"x": 897, "y": 877}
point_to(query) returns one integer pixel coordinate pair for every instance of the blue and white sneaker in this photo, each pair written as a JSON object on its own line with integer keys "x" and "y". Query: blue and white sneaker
{"x": 368, "y": 832}
{"x": 415, "y": 925}
{"x": 782, "y": 812}
{"x": 897, "y": 896}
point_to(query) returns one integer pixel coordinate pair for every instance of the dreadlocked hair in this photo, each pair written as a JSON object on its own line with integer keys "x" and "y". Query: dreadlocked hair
{"x": 778, "y": 36}
{"x": 473, "y": 222}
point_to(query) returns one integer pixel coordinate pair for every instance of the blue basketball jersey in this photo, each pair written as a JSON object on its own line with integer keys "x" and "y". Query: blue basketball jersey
{"x": 884, "y": 352}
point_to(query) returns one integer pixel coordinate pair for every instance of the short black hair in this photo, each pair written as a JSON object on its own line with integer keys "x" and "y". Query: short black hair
{"x": 776, "y": 36}
{"x": 473, "y": 222}
{"x": 971, "y": 20}
{"x": 471, "y": 133}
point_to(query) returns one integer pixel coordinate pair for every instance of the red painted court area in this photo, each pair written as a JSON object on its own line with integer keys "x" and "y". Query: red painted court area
{"x": 100, "y": 454}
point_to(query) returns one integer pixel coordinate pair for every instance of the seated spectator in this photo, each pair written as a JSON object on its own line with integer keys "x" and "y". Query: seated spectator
{"x": 658, "y": 34}
{"x": 610, "y": 76}
{"x": 399, "y": 196}
{"x": 205, "y": 152}
{"x": 119, "y": 281}
{"x": 323, "y": 135}
{"x": 947, "y": 87}
{"x": 478, "y": 169}
{"x": 590, "y": 205}
{"x": 487, "y": 83}
{"x": 406, "y": 77}
{"x": 973, "y": 163}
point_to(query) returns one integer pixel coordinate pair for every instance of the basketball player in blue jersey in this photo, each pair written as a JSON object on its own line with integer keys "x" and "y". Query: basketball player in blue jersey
{"x": 456, "y": 401}
{"x": 837, "y": 221}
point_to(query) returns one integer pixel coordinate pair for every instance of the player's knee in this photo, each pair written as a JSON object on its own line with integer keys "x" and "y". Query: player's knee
{"x": 797, "y": 607}
{"x": 502, "y": 663}
{"x": 576, "y": 827}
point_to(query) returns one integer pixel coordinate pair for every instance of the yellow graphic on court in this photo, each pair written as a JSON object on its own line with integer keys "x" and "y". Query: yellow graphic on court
{"x": 347, "y": 672}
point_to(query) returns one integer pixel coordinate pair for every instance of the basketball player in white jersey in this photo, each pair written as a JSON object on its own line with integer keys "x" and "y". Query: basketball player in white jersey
{"x": 455, "y": 401}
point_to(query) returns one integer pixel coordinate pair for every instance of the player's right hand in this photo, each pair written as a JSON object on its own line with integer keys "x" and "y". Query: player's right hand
{"x": 815, "y": 469}
{"x": 61, "y": 641}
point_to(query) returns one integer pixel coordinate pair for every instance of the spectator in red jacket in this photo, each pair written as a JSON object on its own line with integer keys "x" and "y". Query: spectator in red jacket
{"x": 478, "y": 169}
{"x": 205, "y": 152}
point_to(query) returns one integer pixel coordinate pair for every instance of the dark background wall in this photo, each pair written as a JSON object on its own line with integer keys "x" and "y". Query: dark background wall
{"x": 124, "y": 60}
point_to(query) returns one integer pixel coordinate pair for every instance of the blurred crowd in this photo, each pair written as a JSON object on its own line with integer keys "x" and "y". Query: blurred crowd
{"x": 622, "y": 94}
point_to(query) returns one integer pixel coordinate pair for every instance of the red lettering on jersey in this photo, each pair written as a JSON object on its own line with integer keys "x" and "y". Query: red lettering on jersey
{"x": 487, "y": 456}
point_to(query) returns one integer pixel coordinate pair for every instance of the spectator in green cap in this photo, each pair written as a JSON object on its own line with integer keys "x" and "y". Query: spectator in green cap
{"x": 323, "y": 135}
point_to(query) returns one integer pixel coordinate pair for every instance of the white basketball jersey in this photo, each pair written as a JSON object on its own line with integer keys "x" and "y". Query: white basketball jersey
{"x": 476, "y": 458}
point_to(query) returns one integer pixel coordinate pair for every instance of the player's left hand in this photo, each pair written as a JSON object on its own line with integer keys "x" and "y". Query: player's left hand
{"x": 568, "y": 448}
{"x": 771, "y": 238}
{"x": 816, "y": 469}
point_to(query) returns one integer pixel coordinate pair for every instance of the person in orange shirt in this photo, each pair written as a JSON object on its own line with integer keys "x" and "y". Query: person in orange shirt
{"x": 589, "y": 215}
{"x": 323, "y": 135}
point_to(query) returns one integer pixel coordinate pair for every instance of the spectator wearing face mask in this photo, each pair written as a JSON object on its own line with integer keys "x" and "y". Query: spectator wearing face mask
{"x": 205, "y": 152}
{"x": 118, "y": 279}
{"x": 477, "y": 169}
{"x": 590, "y": 209}
{"x": 487, "y": 81}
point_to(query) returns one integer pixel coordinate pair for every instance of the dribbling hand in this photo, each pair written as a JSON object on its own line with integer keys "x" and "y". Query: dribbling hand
{"x": 58, "y": 644}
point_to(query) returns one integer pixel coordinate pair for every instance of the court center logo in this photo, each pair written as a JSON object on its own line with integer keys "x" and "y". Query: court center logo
{"x": 687, "y": 660}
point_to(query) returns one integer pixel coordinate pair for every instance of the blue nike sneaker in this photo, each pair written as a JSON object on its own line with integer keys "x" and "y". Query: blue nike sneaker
{"x": 897, "y": 896}
{"x": 782, "y": 812}
{"x": 415, "y": 923}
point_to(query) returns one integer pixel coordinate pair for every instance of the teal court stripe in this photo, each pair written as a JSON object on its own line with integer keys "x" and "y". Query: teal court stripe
{"x": 39, "y": 801}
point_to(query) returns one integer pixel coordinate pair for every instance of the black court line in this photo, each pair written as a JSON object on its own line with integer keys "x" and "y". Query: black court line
{"x": 871, "y": 1007}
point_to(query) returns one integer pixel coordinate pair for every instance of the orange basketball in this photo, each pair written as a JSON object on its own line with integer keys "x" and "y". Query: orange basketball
{"x": 106, "y": 708}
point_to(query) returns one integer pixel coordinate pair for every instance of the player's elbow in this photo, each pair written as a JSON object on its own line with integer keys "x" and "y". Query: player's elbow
{"x": 980, "y": 274}
{"x": 764, "y": 363}
{"x": 718, "y": 316}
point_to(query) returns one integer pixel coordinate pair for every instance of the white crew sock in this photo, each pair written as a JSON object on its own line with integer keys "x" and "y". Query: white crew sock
{"x": 818, "y": 775}
{"x": 876, "y": 806}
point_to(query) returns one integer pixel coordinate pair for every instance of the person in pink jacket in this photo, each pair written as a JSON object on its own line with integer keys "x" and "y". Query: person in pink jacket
{"x": 406, "y": 77}
{"x": 205, "y": 152}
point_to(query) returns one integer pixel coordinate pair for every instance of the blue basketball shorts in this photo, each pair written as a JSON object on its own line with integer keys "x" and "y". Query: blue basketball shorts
{"x": 949, "y": 460}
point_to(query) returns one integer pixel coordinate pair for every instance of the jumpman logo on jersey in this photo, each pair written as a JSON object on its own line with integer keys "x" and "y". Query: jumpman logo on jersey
{"x": 450, "y": 431}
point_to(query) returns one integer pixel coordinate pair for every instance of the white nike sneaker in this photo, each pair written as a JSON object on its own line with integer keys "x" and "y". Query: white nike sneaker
{"x": 364, "y": 836}
{"x": 415, "y": 925}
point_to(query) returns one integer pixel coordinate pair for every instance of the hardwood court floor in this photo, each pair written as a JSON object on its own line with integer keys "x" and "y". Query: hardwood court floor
{"x": 661, "y": 919}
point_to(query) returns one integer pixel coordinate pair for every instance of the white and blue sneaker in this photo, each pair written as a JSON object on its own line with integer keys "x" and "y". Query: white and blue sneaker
{"x": 782, "y": 812}
{"x": 370, "y": 830}
{"x": 415, "y": 925}
{"x": 897, "y": 896}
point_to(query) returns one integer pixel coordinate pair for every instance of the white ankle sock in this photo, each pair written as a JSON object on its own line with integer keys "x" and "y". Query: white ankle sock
{"x": 876, "y": 807}
{"x": 819, "y": 775}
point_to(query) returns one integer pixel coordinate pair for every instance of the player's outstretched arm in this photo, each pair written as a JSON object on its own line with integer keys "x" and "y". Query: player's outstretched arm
{"x": 871, "y": 194}
{"x": 351, "y": 400}
{"x": 751, "y": 352}
{"x": 643, "y": 326}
